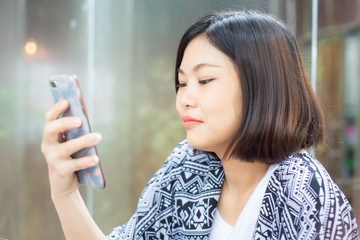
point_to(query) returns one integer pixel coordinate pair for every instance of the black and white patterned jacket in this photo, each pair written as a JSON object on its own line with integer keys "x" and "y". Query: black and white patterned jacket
{"x": 301, "y": 201}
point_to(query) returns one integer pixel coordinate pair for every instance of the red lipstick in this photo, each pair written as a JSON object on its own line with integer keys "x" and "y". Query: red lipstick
{"x": 190, "y": 122}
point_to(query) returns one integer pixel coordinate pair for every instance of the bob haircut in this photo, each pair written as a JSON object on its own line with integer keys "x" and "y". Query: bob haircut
{"x": 280, "y": 112}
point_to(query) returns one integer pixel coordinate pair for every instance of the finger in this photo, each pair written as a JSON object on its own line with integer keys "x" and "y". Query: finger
{"x": 84, "y": 162}
{"x": 53, "y": 130}
{"x": 70, "y": 147}
{"x": 58, "y": 109}
{"x": 65, "y": 168}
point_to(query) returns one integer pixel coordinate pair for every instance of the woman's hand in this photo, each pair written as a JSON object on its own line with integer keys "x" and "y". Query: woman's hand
{"x": 75, "y": 219}
{"x": 61, "y": 166}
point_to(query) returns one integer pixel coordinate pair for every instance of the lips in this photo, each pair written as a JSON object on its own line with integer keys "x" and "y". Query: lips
{"x": 190, "y": 121}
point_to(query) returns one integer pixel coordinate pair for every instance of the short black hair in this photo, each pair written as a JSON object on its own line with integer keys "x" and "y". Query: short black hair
{"x": 280, "y": 112}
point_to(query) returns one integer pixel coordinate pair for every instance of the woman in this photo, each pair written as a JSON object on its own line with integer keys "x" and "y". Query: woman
{"x": 242, "y": 172}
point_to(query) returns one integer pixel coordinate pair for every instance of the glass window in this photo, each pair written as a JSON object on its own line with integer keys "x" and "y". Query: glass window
{"x": 123, "y": 53}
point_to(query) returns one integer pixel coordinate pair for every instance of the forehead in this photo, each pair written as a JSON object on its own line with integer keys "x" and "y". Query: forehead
{"x": 201, "y": 51}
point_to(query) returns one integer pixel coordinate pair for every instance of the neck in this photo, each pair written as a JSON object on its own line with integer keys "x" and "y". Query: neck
{"x": 242, "y": 177}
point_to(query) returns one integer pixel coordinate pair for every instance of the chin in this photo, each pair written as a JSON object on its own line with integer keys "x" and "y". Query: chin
{"x": 197, "y": 144}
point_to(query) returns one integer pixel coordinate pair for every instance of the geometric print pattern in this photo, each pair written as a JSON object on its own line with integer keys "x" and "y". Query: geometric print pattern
{"x": 302, "y": 202}
{"x": 179, "y": 202}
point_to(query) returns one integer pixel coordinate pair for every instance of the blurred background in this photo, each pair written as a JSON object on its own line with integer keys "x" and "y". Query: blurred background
{"x": 123, "y": 54}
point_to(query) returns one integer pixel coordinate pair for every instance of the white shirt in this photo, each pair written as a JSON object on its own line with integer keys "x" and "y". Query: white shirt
{"x": 245, "y": 225}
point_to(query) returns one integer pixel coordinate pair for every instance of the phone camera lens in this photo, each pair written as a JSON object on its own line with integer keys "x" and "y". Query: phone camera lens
{"x": 53, "y": 84}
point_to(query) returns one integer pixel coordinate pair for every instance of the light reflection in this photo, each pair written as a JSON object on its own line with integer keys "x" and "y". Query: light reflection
{"x": 30, "y": 48}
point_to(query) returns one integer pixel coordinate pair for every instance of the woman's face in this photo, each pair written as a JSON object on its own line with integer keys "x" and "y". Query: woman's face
{"x": 209, "y": 97}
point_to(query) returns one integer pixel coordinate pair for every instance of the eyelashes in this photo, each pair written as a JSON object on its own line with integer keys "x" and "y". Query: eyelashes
{"x": 180, "y": 85}
{"x": 201, "y": 82}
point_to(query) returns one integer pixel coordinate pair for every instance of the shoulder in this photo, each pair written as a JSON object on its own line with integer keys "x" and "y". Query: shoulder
{"x": 301, "y": 176}
{"x": 306, "y": 197}
{"x": 303, "y": 179}
{"x": 301, "y": 172}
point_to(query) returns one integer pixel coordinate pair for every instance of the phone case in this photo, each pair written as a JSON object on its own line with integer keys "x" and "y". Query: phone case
{"x": 67, "y": 87}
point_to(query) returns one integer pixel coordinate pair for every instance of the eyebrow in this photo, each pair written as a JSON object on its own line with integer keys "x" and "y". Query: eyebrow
{"x": 198, "y": 66}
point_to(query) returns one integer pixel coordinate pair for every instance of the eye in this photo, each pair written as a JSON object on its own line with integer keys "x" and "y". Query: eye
{"x": 203, "y": 82}
{"x": 180, "y": 85}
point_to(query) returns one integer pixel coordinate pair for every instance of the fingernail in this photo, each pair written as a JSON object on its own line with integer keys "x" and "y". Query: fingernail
{"x": 96, "y": 137}
{"x": 63, "y": 102}
{"x": 76, "y": 121}
{"x": 95, "y": 159}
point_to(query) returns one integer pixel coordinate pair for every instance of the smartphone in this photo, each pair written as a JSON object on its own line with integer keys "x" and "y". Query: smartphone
{"x": 67, "y": 87}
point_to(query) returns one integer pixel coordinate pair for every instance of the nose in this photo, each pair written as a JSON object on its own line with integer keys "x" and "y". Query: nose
{"x": 187, "y": 96}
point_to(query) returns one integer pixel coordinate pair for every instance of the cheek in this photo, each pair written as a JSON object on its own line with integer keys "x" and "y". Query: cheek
{"x": 230, "y": 113}
{"x": 229, "y": 122}
{"x": 178, "y": 105}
